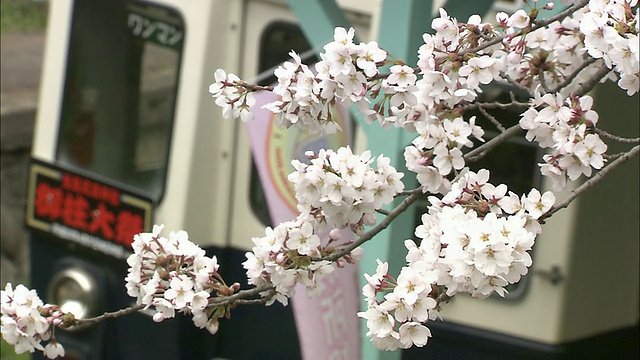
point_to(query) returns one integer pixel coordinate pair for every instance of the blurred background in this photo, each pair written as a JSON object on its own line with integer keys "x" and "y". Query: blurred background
{"x": 23, "y": 27}
{"x": 553, "y": 311}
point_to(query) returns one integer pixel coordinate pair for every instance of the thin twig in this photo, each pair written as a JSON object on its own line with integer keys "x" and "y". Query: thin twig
{"x": 417, "y": 190}
{"x": 510, "y": 81}
{"x": 567, "y": 81}
{"x": 481, "y": 151}
{"x": 253, "y": 301}
{"x": 561, "y": 15}
{"x": 492, "y": 119}
{"x": 591, "y": 182}
{"x": 377, "y": 229}
{"x": 383, "y": 212}
{"x": 227, "y": 300}
{"x": 543, "y": 82}
{"x": 611, "y": 157}
{"x": 588, "y": 85}
{"x": 109, "y": 315}
{"x": 609, "y": 136}
{"x": 495, "y": 105}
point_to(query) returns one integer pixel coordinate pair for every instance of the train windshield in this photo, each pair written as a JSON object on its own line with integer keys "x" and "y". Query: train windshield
{"x": 120, "y": 91}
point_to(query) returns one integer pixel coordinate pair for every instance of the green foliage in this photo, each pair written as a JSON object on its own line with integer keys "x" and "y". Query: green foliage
{"x": 23, "y": 15}
{"x": 6, "y": 350}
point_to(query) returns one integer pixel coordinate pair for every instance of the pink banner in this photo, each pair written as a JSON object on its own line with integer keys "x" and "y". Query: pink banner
{"x": 326, "y": 324}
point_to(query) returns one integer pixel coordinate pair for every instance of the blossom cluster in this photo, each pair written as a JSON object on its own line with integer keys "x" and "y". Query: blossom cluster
{"x": 307, "y": 95}
{"x": 27, "y": 321}
{"x": 336, "y": 190}
{"x": 567, "y": 129}
{"x": 175, "y": 274}
{"x": 474, "y": 240}
{"x": 293, "y": 253}
{"x": 454, "y": 63}
{"x": 231, "y": 96}
{"x": 342, "y": 190}
{"x": 437, "y": 151}
{"x": 610, "y": 29}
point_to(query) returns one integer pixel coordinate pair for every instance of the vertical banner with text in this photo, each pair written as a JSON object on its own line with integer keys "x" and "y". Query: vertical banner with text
{"x": 327, "y": 325}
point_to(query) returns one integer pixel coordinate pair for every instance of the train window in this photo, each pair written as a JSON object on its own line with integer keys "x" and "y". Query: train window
{"x": 120, "y": 91}
{"x": 277, "y": 41}
{"x": 512, "y": 163}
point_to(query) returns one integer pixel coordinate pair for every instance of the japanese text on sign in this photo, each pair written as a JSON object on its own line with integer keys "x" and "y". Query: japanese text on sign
{"x": 79, "y": 209}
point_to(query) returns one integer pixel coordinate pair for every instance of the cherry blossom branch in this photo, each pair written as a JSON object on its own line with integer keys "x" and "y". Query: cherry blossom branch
{"x": 606, "y": 135}
{"x": 404, "y": 205}
{"x": 481, "y": 151}
{"x": 593, "y": 81}
{"x": 260, "y": 301}
{"x": 567, "y": 81}
{"x": 108, "y": 315}
{"x": 519, "y": 86}
{"x": 591, "y": 182}
{"x": 238, "y": 298}
{"x": 543, "y": 82}
{"x": 611, "y": 157}
{"x": 228, "y": 300}
{"x": 491, "y": 118}
{"x": 495, "y": 105}
{"x": 249, "y": 86}
{"x": 561, "y": 15}
{"x": 383, "y": 212}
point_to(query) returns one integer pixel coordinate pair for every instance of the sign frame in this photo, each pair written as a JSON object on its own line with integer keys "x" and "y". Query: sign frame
{"x": 86, "y": 209}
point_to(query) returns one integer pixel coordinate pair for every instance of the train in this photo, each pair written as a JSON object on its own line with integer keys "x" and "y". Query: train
{"x": 128, "y": 136}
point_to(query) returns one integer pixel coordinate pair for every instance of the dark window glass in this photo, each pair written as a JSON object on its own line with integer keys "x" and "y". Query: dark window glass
{"x": 120, "y": 91}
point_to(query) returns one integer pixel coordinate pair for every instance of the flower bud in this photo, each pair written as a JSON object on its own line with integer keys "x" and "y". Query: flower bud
{"x": 369, "y": 219}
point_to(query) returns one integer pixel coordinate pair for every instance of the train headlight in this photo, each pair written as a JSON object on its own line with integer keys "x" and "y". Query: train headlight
{"x": 76, "y": 291}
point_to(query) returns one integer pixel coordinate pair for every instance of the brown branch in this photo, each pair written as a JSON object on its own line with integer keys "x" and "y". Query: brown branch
{"x": 227, "y": 300}
{"x": 383, "y": 212}
{"x": 593, "y": 81}
{"x": 606, "y": 135}
{"x": 561, "y": 15}
{"x": 495, "y": 105}
{"x": 260, "y": 301}
{"x": 567, "y": 81}
{"x": 543, "y": 82}
{"x": 377, "y": 229}
{"x": 252, "y": 87}
{"x": 611, "y": 157}
{"x": 108, "y": 315}
{"x": 591, "y": 182}
{"x": 491, "y": 118}
{"x": 479, "y": 152}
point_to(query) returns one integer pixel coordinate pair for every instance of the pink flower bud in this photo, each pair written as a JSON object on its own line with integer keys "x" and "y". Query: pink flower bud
{"x": 514, "y": 57}
{"x": 334, "y": 234}
{"x": 369, "y": 219}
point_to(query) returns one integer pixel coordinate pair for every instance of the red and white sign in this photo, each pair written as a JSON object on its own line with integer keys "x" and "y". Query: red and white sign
{"x": 77, "y": 208}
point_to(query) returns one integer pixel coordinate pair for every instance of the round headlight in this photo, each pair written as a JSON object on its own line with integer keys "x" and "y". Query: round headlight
{"x": 76, "y": 291}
